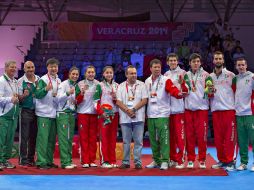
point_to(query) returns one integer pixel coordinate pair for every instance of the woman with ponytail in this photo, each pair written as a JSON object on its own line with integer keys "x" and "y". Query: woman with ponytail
{"x": 104, "y": 101}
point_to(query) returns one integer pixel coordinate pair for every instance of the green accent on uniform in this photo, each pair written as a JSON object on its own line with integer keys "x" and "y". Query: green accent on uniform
{"x": 40, "y": 91}
{"x": 245, "y": 130}
{"x": 28, "y": 101}
{"x": 187, "y": 81}
{"x": 159, "y": 138}
{"x": 13, "y": 113}
{"x": 65, "y": 131}
{"x": 77, "y": 90}
{"x": 45, "y": 141}
{"x": 98, "y": 92}
{"x": 234, "y": 80}
{"x": 7, "y": 131}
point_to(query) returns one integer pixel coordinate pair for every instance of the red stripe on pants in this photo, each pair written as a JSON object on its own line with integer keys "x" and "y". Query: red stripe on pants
{"x": 108, "y": 136}
{"x": 177, "y": 137}
{"x": 196, "y": 127}
{"x": 87, "y": 126}
{"x": 224, "y": 126}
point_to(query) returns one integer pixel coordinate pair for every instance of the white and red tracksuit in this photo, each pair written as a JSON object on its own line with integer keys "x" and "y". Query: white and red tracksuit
{"x": 87, "y": 121}
{"x": 223, "y": 114}
{"x": 196, "y": 115}
{"x": 108, "y": 133}
{"x": 176, "y": 126}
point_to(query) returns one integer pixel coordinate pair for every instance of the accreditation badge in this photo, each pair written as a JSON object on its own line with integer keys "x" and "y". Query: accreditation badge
{"x": 153, "y": 97}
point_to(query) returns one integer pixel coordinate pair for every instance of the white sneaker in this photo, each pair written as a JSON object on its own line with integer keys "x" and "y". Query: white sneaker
{"x": 242, "y": 167}
{"x": 164, "y": 166}
{"x": 106, "y": 165}
{"x": 74, "y": 165}
{"x": 69, "y": 167}
{"x": 93, "y": 165}
{"x": 252, "y": 168}
{"x": 114, "y": 165}
{"x": 230, "y": 167}
{"x": 153, "y": 164}
{"x": 85, "y": 166}
{"x": 190, "y": 165}
{"x": 172, "y": 163}
{"x": 202, "y": 165}
{"x": 218, "y": 165}
{"x": 179, "y": 166}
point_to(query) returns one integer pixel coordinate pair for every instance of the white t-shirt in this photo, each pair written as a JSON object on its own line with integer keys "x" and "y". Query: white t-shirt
{"x": 139, "y": 92}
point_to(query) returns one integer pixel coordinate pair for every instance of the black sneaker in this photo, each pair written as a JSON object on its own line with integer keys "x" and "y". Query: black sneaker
{"x": 9, "y": 165}
{"x": 31, "y": 164}
{"x": 43, "y": 167}
{"x": 52, "y": 165}
{"x": 124, "y": 166}
{"x": 138, "y": 166}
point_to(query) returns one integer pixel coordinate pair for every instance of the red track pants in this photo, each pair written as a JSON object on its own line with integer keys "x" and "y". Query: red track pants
{"x": 108, "y": 134}
{"x": 177, "y": 137}
{"x": 87, "y": 126}
{"x": 196, "y": 128}
{"x": 224, "y": 126}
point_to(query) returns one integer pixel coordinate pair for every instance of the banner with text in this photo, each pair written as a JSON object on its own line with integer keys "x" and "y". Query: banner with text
{"x": 122, "y": 31}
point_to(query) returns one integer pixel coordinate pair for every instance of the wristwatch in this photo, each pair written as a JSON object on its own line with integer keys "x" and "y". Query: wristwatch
{"x": 134, "y": 110}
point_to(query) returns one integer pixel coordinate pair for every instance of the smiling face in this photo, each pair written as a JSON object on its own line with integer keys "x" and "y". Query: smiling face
{"x": 74, "y": 75}
{"x": 90, "y": 73}
{"x": 11, "y": 70}
{"x": 241, "y": 66}
{"x": 29, "y": 68}
{"x": 108, "y": 74}
{"x": 52, "y": 69}
{"x": 172, "y": 62}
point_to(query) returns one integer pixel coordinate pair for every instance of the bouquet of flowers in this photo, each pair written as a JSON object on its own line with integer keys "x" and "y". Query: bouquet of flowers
{"x": 108, "y": 113}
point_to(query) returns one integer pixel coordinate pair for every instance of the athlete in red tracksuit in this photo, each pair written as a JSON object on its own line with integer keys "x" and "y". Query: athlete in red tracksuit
{"x": 196, "y": 112}
{"x": 105, "y": 97}
{"x": 176, "y": 127}
{"x": 223, "y": 113}
{"x": 87, "y": 118}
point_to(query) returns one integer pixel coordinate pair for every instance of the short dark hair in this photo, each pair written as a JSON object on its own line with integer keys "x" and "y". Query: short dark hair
{"x": 218, "y": 53}
{"x": 241, "y": 59}
{"x": 155, "y": 61}
{"x": 52, "y": 61}
{"x": 172, "y": 55}
{"x": 129, "y": 67}
{"x": 194, "y": 56}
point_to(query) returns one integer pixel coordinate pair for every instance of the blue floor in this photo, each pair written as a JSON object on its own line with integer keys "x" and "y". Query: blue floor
{"x": 236, "y": 180}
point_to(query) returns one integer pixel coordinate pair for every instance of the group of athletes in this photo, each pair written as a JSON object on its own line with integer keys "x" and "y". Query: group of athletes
{"x": 175, "y": 106}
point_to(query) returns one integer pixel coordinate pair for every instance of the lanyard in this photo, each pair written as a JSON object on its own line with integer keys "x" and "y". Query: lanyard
{"x": 157, "y": 85}
{"x": 52, "y": 83}
{"x": 111, "y": 87}
{"x": 132, "y": 91}
{"x": 192, "y": 80}
{"x": 15, "y": 91}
